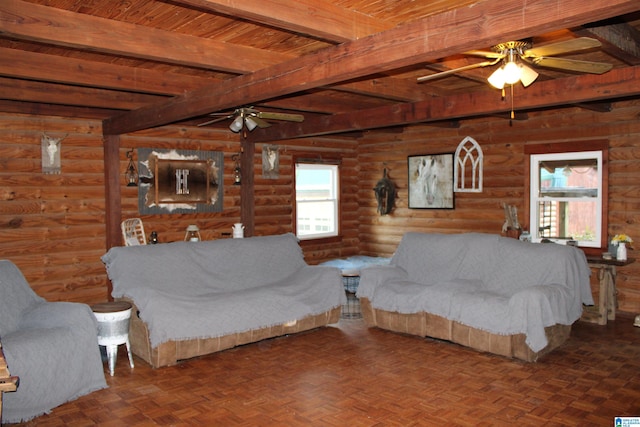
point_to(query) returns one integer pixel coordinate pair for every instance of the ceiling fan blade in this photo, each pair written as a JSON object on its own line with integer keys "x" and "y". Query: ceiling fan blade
{"x": 558, "y": 48}
{"x": 456, "y": 70}
{"x": 219, "y": 119}
{"x": 572, "y": 65}
{"x": 257, "y": 120}
{"x": 279, "y": 116}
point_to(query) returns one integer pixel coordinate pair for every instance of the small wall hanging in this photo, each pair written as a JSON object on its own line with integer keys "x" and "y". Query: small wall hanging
{"x": 237, "y": 170}
{"x": 51, "y": 153}
{"x": 467, "y": 176}
{"x": 131, "y": 174}
{"x": 270, "y": 161}
{"x": 385, "y": 191}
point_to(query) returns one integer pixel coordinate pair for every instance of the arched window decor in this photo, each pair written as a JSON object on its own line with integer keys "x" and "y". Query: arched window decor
{"x": 467, "y": 175}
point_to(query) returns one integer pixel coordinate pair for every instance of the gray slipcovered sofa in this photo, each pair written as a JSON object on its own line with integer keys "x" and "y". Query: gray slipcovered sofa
{"x": 488, "y": 292}
{"x": 51, "y": 346}
{"x": 195, "y": 298}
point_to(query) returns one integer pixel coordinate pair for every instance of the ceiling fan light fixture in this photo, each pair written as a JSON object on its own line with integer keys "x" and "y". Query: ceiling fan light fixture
{"x": 236, "y": 125}
{"x": 251, "y": 124}
{"x": 527, "y": 75}
{"x": 511, "y": 73}
{"x": 496, "y": 79}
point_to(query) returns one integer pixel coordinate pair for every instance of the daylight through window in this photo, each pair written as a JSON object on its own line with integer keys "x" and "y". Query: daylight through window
{"x": 316, "y": 200}
{"x": 566, "y": 197}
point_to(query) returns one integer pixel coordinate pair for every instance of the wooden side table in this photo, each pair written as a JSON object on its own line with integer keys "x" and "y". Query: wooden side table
{"x": 7, "y": 382}
{"x": 607, "y": 295}
{"x": 113, "y": 329}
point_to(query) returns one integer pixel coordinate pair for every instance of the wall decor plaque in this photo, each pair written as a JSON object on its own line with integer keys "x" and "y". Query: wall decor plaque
{"x": 179, "y": 181}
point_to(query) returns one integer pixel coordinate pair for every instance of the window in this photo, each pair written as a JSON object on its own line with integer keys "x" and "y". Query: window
{"x": 317, "y": 200}
{"x": 567, "y": 197}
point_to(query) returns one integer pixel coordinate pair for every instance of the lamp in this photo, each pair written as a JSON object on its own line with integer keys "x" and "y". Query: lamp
{"x": 131, "y": 174}
{"x": 237, "y": 172}
{"x": 251, "y": 124}
{"x": 236, "y": 125}
{"x": 192, "y": 234}
{"x": 512, "y": 72}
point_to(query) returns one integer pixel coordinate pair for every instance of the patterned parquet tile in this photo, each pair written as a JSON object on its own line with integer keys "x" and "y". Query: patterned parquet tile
{"x": 352, "y": 375}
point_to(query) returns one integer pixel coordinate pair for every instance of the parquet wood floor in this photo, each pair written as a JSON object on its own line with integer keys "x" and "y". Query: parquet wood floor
{"x": 349, "y": 375}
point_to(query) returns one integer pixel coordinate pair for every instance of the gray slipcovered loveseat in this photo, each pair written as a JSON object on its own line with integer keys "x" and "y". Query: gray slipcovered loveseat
{"x": 488, "y": 292}
{"x": 51, "y": 346}
{"x": 195, "y": 298}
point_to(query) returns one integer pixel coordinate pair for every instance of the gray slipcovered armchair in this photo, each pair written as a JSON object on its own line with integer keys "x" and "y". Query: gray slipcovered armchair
{"x": 51, "y": 346}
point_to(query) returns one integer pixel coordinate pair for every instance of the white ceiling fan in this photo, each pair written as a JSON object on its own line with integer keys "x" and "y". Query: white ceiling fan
{"x": 515, "y": 56}
{"x": 252, "y": 118}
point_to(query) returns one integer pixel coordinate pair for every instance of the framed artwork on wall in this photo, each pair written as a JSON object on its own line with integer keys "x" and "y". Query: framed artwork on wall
{"x": 271, "y": 161}
{"x": 431, "y": 181}
{"x": 179, "y": 181}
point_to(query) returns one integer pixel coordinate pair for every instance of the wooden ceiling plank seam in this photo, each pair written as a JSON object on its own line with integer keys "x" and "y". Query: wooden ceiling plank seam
{"x": 28, "y": 21}
{"x": 422, "y": 40}
{"x": 315, "y": 18}
{"x": 570, "y": 90}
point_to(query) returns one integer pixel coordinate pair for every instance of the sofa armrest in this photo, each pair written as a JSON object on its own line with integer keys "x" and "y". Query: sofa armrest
{"x": 59, "y": 315}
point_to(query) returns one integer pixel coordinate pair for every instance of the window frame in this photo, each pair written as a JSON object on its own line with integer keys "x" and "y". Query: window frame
{"x": 333, "y": 162}
{"x": 573, "y": 147}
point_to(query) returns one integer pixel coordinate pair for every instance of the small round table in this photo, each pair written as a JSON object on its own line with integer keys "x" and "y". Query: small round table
{"x": 113, "y": 329}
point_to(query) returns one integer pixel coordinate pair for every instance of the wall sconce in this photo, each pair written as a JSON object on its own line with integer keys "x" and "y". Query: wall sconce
{"x": 237, "y": 172}
{"x": 192, "y": 234}
{"x": 131, "y": 174}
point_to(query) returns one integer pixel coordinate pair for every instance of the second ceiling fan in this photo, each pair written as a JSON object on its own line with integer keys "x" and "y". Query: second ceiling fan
{"x": 517, "y": 54}
{"x": 252, "y": 118}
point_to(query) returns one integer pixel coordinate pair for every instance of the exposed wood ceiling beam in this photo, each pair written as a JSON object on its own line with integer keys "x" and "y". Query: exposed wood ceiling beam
{"x": 598, "y": 107}
{"x": 63, "y": 28}
{"x": 324, "y": 20}
{"x": 54, "y": 110}
{"x": 79, "y": 72}
{"x": 385, "y": 87}
{"x": 60, "y": 69}
{"x": 53, "y": 93}
{"x": 29, "y": 21}
{"x": 615, "y": 83}
{"x": 418, "y": 41}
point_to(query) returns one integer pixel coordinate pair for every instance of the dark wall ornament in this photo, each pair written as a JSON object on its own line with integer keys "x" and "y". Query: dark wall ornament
{"x": 385, "y": 191}
{"x": 179, "y": 181}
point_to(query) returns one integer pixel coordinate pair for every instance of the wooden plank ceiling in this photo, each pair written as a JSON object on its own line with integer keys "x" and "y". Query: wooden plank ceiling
{"x": 346, "y": 65}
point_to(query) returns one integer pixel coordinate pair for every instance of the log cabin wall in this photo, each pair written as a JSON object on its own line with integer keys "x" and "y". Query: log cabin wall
{"x": 53, "y": 226}
{"x": 274, "y": 198}
{"x": 503, "y": 147}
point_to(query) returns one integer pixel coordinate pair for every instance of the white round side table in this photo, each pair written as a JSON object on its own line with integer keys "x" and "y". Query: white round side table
{"x": 113, "y": 329}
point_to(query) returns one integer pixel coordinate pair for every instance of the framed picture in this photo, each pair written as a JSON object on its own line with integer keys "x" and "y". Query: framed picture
{"x": 179, "y": 181}
{"x": 270, "y": 161}
{"x": 431, "y": 181}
